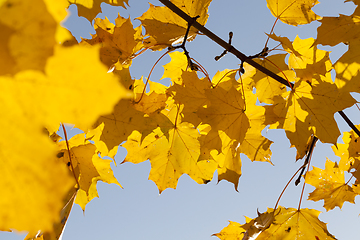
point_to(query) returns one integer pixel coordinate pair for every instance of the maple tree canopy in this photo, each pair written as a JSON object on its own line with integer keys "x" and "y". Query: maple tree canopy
{"x": 197, "y": 126}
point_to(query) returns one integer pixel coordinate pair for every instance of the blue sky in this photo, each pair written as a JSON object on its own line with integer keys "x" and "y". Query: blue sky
{"x": 195, "y": 211}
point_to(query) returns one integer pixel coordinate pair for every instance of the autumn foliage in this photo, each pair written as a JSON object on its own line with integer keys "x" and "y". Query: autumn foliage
{"x": 196, "y": 126}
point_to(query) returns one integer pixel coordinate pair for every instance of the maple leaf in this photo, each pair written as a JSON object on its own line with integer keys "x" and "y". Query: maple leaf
{"x": 266, "y": 87}
{"x": 48, "y": 88}
{"x": 67, "y": 70}
{"x": 286, "y": 44}
{"x": 347, "y": 69}
{"x": 347, "y": 151}
{"x": 27, "y": 40}
{"x": 36, "y": 206}
{"x": 250, "y": 230}
{"x": 151, "y": 102}
{"x": 255, "y": 146}
{"x": 293, "y": 12}
{"x": 290, "y": 223}
{"x": 129, "y": 115}
{"x": 284, "y": 223}
{"x": 226, "y": 112}
{"x": 301, "y": 112}
{"x": 312, "y": 61}
{"x": 174, "y": 69}
{"x": 118, "y": 42}
{"x": 334, "y": 30}
{"x": 166, "y": 28}
{"x": 228, "y": 160}
{"x": 120, "y": 123}
{"x": 171, "y": 153}
{"x": 90, "y": 8}
{"x": 234, "y": 231}
{"x": 88, "y": 167}
{"x": 330, "y": 186}
{"x": 191, "y": 93}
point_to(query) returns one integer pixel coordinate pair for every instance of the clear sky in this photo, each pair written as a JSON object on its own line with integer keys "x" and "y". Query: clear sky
{"x": 195, "y": 211}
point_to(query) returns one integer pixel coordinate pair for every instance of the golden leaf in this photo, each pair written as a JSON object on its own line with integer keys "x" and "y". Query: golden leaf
{"x": 293, "y": 12}
{"x": 166, "y": 28}
{"x": 290, "y": 223}
{"x": 301, "y": 113}
{"x": 330, "y": 186}
{"x": 90, "y": 8}
{"x": 334, "y": 30}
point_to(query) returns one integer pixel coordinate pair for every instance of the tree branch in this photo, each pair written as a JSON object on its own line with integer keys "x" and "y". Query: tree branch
{"x": 239, "y": 54}
{"x": 222, "y": 43}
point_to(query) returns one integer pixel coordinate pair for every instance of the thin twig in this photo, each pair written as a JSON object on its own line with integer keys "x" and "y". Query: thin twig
{"x": 308, "y": 155}
{"x": 68, "y": 148}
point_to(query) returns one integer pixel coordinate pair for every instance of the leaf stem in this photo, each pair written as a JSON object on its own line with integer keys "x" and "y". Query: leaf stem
{"x": 271, "y": 31}
{"x": 307, "y": 162}
{"x": 148, "y": 78}
{"x": 68, "y": 148}
{"x": 282, "y": 192}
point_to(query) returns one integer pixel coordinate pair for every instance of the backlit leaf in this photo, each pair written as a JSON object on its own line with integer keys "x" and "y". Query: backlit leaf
{"x": 26, "y": 40}
{"x": 301, "y": 113}
{"x": 330, "y": 186}
{"x": 88, "y": 167}
{"x": 118, "y": 42}
{"x": 290, "y": 223}
{"x": 334, "y": 30}
{"x": 293, "y": 12}
{"x": 167, "y": 28}
{"x": 347, "y": 69}
{"x": 90, "y": 8}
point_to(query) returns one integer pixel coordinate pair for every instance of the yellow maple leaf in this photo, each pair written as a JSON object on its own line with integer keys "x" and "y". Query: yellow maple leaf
{"x": 27, "y": 40}
{"x": 334, "y": 30}
{"x": 234, "y": 231}
{"x": 312, "y": 61}
{"x": 88, "y": 167}
{"x": 191, "y": 93}
{"x": 290, "y": 223}
{"x": 166, "y": 28}
{"x": 301, "y": 113}
{"x": 266, "y": 87}
{"x": 120, "y": 123}
{"x": 67, "y": 78}
{"x": 284, "y": 223}
{"x": 151, "y": 102}
{"x": 118, "y": 42}
{"x": 293, "y": 12}
{"x": 27, "y": 161}
{"x": 255, "y": 146}
{"x": 174, "y": 69}
{"x": 171, "y": 154}
{"x": 226, "y": 112}
{"x": 286, "y": 44}
{"x": 347, "y": 68}
{"x": 228, "y": 160}
{"x": 330, "y": 186}
{"x": 47, "y": 84}
{"x": 348, "y": 151}
{"x": 90, "y": 8}
{"x": 142, "y": 115}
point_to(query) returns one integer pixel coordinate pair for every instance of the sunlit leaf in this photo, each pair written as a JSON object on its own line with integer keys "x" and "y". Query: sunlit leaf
{"x": 293, "y": 12}
{"x": 330, "y": 186}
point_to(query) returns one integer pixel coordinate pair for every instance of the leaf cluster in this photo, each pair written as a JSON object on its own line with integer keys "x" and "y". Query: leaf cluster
{"x": 199, "y": 125}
